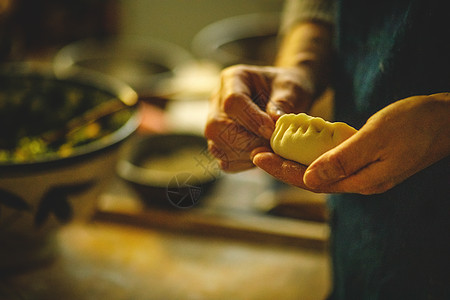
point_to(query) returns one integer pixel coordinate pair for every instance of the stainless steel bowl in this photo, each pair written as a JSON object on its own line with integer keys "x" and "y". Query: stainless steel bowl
{"x": 146, "y": 64}
{"x": 244, "y": 39}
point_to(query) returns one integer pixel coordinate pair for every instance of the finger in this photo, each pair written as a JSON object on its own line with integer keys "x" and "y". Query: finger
{"x": 227, "y": 134}
{"x": 235, "y": 166}
{"x": 236, "y": 138}
{"x": 284, "y": 170}
{"x": 279, "y": 107}
{"x": 366, "y": 181}
{"x": 227, "y": 154}
{"x": 287, "y": 97}
{"x": 352, "y": 155}
{"x": 230, "y": 160}
{"x": 240, "y": 108}
{"x": 259, "y": 150}
{"x": 238, "y": 103}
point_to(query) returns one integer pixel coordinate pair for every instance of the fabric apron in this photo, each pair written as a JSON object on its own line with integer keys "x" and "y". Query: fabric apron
{"x": 394, "y": 245}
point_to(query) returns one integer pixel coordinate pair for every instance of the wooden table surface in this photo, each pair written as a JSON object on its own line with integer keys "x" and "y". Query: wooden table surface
{"x": 109, "y": 261}
{"x": 117, "y": 260}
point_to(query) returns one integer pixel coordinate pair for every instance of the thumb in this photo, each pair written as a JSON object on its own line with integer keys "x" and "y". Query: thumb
{"x": 277, "y": 107}
{"x": 340, "y": 162}
{"x": 287, "y": 97}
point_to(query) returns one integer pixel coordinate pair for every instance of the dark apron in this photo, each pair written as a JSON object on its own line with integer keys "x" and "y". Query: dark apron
{"x": 394, "y": 245}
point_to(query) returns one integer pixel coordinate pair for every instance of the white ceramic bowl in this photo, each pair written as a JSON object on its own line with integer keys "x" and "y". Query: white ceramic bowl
{"x": 38, "y": 196}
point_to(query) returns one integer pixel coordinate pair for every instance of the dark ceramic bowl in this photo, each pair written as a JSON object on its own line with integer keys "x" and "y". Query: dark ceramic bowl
{"x": 169, "y": 170}
{"x": 40, "y": 190}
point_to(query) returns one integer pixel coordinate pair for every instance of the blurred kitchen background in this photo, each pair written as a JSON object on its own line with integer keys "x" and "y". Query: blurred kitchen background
{"x": 215, "y": 34}
{"x": 252, "y": 238}
{"x": 28, "y": 26}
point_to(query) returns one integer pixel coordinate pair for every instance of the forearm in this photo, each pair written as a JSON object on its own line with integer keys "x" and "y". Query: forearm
{"x": 308, "y": 45}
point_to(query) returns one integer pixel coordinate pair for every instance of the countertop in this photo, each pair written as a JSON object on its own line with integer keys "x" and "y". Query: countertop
{"x": 111, "y": 258}
{"x": 108, "y": 261}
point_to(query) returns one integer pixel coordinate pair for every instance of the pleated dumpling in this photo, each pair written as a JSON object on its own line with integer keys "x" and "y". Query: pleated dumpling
{"x": 302, "y": 138}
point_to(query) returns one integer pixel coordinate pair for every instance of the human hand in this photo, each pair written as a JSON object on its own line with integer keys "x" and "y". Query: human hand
{"x": 395, "y": 143}
{"x": 243, "y": 110}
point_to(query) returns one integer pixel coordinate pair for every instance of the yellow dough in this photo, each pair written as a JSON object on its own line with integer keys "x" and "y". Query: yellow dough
{"x": 303, "y": 138}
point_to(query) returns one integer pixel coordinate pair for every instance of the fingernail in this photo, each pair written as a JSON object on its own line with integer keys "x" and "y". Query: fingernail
{"x": 279, "y": 112}
{"x": 252, "y": 157}
{"x": 321, "y": 175}
{"x": 312, "y": 179}
{"x": 266, "y": 132}
{"x": 258, "y": 150}
{"x": 254, "y": 153}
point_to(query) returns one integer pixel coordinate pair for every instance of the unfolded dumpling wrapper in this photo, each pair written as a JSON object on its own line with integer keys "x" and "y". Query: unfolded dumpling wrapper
{"x": 302, "y": 138}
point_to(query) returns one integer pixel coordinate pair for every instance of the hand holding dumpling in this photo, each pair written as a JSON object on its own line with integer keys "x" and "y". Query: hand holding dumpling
{"x": 303, "y": 138}
{"x": 395, "y": 143}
